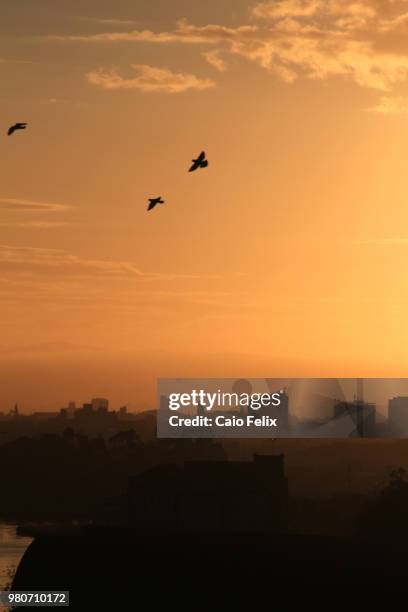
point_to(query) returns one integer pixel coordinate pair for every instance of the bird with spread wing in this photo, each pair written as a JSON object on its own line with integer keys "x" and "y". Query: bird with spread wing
{"x": 200, "y": 162}
{"x": 154, "y": 201}
{"x": 15, "y": 127}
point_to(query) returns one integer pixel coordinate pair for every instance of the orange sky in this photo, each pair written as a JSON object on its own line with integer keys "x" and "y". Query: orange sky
{"x": 286, "y": 257}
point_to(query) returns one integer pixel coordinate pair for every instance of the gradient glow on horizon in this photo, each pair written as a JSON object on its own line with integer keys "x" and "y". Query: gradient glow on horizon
{"x": 288, "y": 256}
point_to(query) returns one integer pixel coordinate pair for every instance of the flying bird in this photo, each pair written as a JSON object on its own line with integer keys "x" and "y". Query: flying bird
{"x": 154, "y": 201}
{"x": 16, "y": 126}
{"x": 200, "y": 162}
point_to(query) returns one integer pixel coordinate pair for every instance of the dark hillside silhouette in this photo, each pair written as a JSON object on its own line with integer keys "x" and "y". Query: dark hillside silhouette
{"x": 177, "y": 523}
{"x": 212, "y": 495}
{"x": 150, "y": 570}
{"x": 387, "y": 514}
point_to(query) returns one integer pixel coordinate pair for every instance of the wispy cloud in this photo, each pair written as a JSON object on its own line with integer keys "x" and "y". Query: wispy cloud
{"x": 363, "y": 40}
{"x": 287, "y": 8}
{"x": 32, "y": 205}
{"x": 7, "y": 60}
{"x": 109, "y": 21}
{"x": 214, "y": 59}
{"x": 184, "y": 33}
{"x": 47, "y": 347}
{"x": 384, "y": 242}
{"x": 149, "y": 79}
{"x": 32, "y": 262}
{"x": 389, "y": 105}
{"x": 36, "y": 224}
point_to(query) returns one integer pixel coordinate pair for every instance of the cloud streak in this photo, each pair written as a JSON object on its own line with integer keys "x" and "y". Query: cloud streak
{"x": 32, "y": 262}
{"x": 384, "y": 242}
{"x": 389, "y": 105}
{"x": 287, "y": 8}
{"x": 149, "y": 79}
{"x": 215, "y": 60}
{"x": 109, "y": 22}
{"x": 32, "y": 205}
{"x": 36, "y": 224}
{"x": 365, "y": 41}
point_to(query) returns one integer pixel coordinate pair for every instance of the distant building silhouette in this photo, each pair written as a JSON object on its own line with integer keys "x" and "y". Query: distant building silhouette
{"x": 360, "y": 389}
{"x": 201, "y": 410}
{"x": 212, "y": 496}
{"x": 280, "y": 412}
{"x": 86, "y": 409}
{"x": 398, "y": 416}
{"x": 362, "y": 415}
{"x": 44, "y": 415}
{"x": 100, "y": 404}
{"x": 241, "y": 387}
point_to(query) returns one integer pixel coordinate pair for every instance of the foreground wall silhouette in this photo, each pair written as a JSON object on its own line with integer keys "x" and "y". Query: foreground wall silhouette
{"x": 124, "y": 569}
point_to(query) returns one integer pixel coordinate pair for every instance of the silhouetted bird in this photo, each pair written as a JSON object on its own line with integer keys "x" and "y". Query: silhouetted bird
{"x": 154, "y": 201}
{"x": 200, "y": 162}
{"x": 16, "y": 126}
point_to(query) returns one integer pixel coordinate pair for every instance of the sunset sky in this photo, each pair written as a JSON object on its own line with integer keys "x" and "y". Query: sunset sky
{"x": 288, "y": 256}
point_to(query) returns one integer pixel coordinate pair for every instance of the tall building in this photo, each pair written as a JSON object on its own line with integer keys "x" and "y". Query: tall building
{"x": 398, "y": 416}
{"x": 99, "y": 404}
{"x": 362, "y": 417}
{"x": 314, "y": 399}
{"x": 280, "y": 412}
{"x": 360, "y": 390}
{"x": 242, "y": 387}
{"x": 201, "y": 410}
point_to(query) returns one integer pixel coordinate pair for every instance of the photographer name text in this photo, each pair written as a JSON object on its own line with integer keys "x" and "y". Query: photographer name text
{"x": 222, "y": 421}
